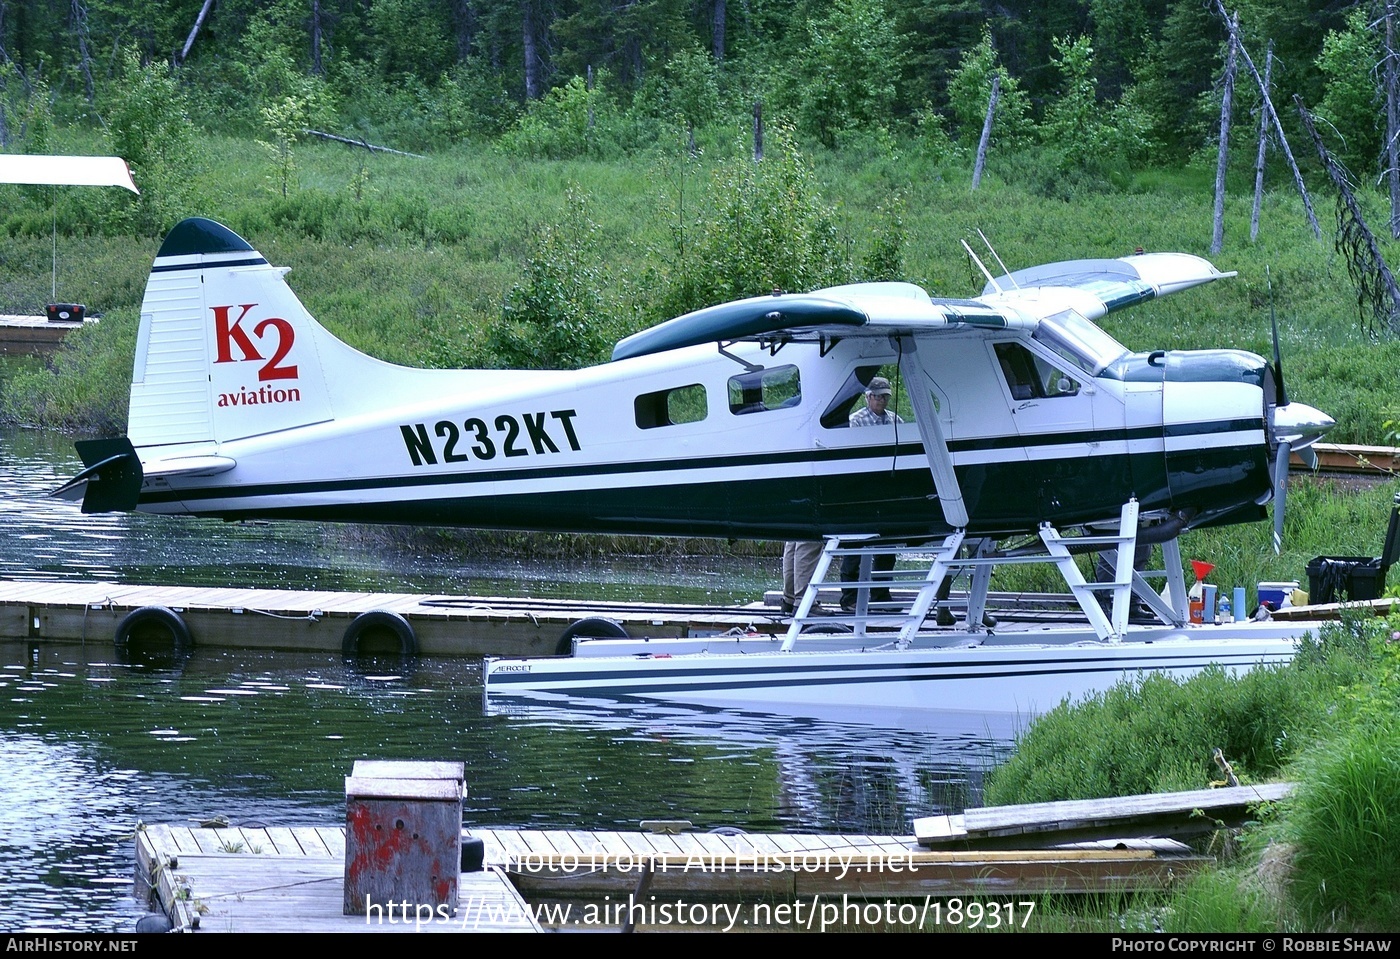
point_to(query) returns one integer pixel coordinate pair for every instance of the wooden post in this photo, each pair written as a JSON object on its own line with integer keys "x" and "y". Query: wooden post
{"x": 986, "y": 131}
{"x": 1278, "y": 126}
{"x": 757, "y": 130}
{"x": 1263, "y": 148}
{"x": 1227, "y": 96}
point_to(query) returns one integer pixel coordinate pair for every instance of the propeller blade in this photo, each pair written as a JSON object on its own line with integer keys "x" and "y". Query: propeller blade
{"x": 1280, "y": 391}
{"x": 1280, "y": 493}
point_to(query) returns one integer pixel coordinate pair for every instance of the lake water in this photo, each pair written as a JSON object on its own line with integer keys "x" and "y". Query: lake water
{"x": 91, "y": 746}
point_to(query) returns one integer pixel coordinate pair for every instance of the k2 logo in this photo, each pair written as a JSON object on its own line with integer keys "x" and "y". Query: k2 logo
{"x": 229, "y": 334}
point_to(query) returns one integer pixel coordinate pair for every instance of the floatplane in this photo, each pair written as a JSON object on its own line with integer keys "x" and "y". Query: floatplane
{"x": 1022, "y": 419}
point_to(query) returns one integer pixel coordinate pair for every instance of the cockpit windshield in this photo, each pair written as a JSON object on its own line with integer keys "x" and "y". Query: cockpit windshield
{"x": 1080, "y": 342}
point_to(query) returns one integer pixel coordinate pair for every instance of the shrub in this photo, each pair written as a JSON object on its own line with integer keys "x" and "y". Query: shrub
{"x": 556, "y": 317}
{"x": 763, "y": 226}
{"x": 570, "y": 121}
{"x": 148, "y": 125}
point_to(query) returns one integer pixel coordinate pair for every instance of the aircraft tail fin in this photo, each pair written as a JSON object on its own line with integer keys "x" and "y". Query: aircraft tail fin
{"x": 225, "y": 349}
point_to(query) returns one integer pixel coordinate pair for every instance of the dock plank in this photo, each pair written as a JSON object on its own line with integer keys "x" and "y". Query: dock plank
{"x": 563, "y": 840}
{"x": 311, "y": 842}
{"x": 334, "y": 838}
{"x": 80, "y": 611}
{"x": 1156, "y": 814}
{"x": 303, "y": 894}
{"x": 536, "y": 841}
{"x": 284, "y": 841}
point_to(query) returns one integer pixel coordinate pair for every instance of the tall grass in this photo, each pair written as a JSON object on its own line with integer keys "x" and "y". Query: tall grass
{"x": 1158, "y": 734}
{"x": 1345, "y": 831}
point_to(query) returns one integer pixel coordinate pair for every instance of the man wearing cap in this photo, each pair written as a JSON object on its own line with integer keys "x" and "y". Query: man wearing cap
{"x": 877, "y": 401}
{"x": 875, "y": 413}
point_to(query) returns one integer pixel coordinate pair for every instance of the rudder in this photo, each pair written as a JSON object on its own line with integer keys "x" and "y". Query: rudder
{"x": 225, "y": 349}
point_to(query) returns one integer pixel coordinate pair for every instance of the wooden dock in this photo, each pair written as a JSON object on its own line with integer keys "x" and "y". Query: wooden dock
{"x": 271, "y": 879}
{"x": 90, "y": 612}
{"x": 34, "y": 335}
{"x": 291, "y": 879}
{"x": 1383, "y": 461}
{"x": 77, "y": 611}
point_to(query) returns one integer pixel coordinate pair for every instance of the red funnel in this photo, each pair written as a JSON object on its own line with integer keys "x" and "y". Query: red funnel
{"x": 1202, "y": 568}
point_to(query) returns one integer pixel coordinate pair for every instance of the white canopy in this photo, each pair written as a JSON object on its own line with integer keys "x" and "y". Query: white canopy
{"x": 66, "y": 171}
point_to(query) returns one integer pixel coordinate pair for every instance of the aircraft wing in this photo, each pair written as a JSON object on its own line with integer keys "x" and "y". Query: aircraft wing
{"x": 1094, "y": 288}
{"x": 858, "y": 309}
{"x": 1091, "y": 288}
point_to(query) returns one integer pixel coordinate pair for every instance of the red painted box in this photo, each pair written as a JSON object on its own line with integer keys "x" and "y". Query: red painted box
{"x": 403, "y": 839}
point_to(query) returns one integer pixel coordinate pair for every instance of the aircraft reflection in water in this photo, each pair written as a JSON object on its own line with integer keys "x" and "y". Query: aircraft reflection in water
{"x": 853, "y": 777}
{"x": 732, "y": 421}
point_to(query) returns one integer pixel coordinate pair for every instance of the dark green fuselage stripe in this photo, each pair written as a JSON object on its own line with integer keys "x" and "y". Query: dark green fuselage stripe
{"x": 1001, "y": 498}
{"x": 1033, "y": 444}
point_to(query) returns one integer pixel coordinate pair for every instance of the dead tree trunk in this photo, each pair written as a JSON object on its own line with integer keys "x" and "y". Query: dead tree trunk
{"x": 464, "y": 27}
{"x": 316, "y": 66}
{"x": 1392, "y": 120}
{"x": 532, "y": 60}
{"x": 1263, "y": 149}
{"x": 717, "y": 28}
{"x": 1278, "y": 126}
{"x": 194, "y": 31}
{"x": 80, "y": 30}
{"x": 1227, "y": 100}
{"x": 588, "y": 86}
{"x": 1376, "y": 291}
{"x": 757, "y": 130}
{"x": 986, "y": 132}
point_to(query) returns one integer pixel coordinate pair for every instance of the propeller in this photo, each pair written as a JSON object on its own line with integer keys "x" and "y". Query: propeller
{"x": 1280, "y": 402}
{"x": 1295, "y": 426}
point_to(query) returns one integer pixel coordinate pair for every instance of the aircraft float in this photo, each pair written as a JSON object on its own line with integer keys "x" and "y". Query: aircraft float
{"x": 1024, "y": 419}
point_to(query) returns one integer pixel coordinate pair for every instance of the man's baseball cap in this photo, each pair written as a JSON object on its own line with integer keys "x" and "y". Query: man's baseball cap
{"x": 879, "y": 386}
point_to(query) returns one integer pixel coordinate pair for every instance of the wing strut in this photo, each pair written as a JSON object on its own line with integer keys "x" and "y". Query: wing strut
{"x": 940, "y": 460}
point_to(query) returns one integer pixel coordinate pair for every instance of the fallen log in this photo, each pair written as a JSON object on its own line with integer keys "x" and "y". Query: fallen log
{"x": 372, "y": 147}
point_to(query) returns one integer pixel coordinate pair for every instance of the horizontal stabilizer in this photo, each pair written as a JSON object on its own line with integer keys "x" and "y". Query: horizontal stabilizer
{"x": 111, "y": 479}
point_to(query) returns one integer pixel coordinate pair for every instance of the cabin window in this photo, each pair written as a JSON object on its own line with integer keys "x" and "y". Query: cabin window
{"x": 851, "y": 396}
{"x": 683, "y": 404}
{"x": 759, "y": 390}
{"x": 1030, "y": 377}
